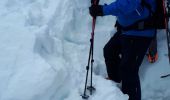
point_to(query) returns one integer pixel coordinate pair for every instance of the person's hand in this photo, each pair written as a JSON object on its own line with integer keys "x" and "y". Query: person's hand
{"x": 96, "y": 10}
{"x": 94, "y": 3}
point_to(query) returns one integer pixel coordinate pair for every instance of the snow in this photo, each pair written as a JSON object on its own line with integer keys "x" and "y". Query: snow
{"x": 44, "y": 51}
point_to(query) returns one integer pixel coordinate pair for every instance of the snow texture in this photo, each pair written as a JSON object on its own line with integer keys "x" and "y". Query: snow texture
{"x": 44, "y": 51}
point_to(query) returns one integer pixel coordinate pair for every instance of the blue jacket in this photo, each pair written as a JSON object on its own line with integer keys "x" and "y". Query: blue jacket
{"x": 128, "y": 12}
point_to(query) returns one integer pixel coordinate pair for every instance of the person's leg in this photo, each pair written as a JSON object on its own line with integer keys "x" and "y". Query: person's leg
{"x": 152, "y": 51}
{"x": 133, "y": 52}
{"x": 112, "y": 57}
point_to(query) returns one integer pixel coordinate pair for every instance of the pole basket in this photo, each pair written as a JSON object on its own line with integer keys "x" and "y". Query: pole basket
{"x": 84, "y": 96}
{"x": 91, "y": 89}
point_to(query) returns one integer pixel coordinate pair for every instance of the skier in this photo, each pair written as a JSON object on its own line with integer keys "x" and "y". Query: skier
{"x": 125, "y": 51}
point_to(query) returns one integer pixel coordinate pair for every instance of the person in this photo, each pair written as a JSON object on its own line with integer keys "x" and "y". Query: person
{"x": 125, "y": 51}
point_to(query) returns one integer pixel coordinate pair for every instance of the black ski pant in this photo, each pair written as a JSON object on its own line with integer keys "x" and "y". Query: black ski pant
{"x": 123, "y": 56}
{"x": 153, "y": 46}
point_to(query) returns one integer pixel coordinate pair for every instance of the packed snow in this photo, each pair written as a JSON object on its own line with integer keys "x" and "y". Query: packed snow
{"x": 44, "y": 52}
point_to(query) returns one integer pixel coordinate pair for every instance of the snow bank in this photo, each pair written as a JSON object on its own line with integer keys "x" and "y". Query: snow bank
{"x": 44, "y": 51}
{"x": 43, "y": 47}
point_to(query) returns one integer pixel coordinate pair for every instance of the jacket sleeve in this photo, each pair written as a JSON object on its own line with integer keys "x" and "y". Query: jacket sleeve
{"x": 121, "y": 7}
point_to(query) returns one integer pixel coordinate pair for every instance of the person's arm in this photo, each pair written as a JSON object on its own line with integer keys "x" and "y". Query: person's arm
{"x": 122, "y": 7}
{"x": 119, "y": 7}
{"x": 111, "y": 9}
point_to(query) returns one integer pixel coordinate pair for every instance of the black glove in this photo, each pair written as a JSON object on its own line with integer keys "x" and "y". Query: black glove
{"x": 96, "y": 10}
{"x": 97, "y": 2}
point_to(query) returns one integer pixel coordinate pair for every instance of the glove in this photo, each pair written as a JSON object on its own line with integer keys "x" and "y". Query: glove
{"x": 96, "y": 10}
{"x": 97, "y": 2}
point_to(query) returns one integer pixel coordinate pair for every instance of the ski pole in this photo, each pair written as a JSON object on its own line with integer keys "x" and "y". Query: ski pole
{"x": 167, "y": 29}
{"x": 91, "y": 88}
{"x": 167, "y": 11}
{"x": 85, "y": 96}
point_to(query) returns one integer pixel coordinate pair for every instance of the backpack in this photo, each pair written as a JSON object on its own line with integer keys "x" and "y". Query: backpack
{"x": 157, "y": 19}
